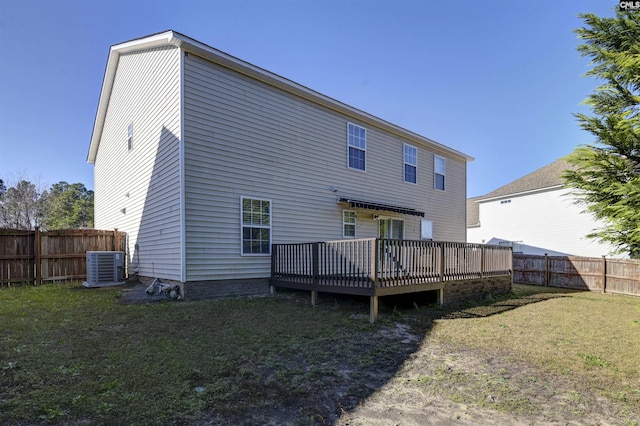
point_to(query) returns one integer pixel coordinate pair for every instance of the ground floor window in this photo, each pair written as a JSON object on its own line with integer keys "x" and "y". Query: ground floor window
{"x": 348, "y": 223}
{"x": 391, "y": 229}
{"x": 256, "y": 226}
{"x": 426, "y": 230}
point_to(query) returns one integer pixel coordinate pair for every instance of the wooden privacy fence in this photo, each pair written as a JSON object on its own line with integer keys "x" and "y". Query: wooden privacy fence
{"x": 618, "y": 276}
{"x": 37, "y": 256}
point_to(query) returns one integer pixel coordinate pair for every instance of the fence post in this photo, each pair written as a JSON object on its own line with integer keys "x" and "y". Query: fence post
{"x": 116, "y": 240}
{"x": 38, "y": 256}
{"x": 482, "y": 262}
{"x": 604, "y": 274}
{"x": 546, "y": 270}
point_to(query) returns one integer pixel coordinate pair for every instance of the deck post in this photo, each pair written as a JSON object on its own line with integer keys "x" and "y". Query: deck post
{"x": 274, "y": 256}
{"x": 373, "y": 309}
{"x": 375, "y": 263}
{"x": 315, "y": 262}
{"x": 314, "y": 298}
{"x": 441, "y": 296}
{"x": 441, "y": 261}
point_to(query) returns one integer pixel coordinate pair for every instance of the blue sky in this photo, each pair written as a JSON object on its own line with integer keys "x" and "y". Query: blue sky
{"x": 495, "y": 79}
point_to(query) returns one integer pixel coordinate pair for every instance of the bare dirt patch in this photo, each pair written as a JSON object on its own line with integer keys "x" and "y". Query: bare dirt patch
{"x": 442, "y": 384}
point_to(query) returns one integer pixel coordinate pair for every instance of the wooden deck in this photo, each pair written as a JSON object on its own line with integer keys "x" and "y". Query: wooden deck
{"x": 379, "y": 267}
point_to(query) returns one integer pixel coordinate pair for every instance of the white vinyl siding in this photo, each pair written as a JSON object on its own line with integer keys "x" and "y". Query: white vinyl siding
{"x": 137, "y": 190}
{"x": 546, "y": 221}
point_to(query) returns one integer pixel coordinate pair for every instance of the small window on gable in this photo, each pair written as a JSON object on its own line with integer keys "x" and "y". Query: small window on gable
{"x": 357, "y": 146}
{"x": 130, "y": 136}
{"x": 410, "y": 164}
{"x": 348, "y": 223}
{"x": 440, "y": 171}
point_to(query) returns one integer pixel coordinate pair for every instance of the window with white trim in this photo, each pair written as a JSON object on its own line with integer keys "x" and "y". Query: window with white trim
{"x": 256, "y": 226}
{"x": 426, "y": 229}
{"x": 410, "y": 164}
{"x": 130, "y": 136}
{"x": 440, "y": 171}
{"x": 356, "y": 146}
{"x": 348, "y": 223}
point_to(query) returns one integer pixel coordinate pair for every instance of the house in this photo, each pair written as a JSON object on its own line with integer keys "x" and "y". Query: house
{"x": 535, "y": 214}
{"x": 205, "y": 161}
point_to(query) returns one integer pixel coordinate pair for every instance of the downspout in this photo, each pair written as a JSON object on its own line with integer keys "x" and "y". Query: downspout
{"x": 183, "y": 248}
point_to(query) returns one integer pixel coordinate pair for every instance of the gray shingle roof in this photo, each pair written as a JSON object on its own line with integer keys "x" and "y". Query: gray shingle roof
{"x": 548, "y": 176}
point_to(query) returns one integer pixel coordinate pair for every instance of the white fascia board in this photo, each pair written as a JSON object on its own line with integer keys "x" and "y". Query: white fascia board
{"x": 520, "y": 194}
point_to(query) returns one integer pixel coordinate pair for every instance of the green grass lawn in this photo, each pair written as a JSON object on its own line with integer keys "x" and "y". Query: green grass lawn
{"x": 75, "y": 355}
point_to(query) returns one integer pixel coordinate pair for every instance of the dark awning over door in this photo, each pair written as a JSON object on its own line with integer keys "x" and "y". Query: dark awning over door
{"x": 379, "y": 206}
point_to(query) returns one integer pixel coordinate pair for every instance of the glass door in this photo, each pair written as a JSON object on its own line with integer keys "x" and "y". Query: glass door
{"x": 391, "y": 229}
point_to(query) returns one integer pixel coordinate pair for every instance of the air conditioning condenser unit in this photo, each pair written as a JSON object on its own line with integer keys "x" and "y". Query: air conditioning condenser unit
{"x": 104, "y": 268}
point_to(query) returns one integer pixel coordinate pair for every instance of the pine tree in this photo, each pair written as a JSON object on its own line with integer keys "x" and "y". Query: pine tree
{"x": 68, "y": 206}
{"x": 606, "y": 174}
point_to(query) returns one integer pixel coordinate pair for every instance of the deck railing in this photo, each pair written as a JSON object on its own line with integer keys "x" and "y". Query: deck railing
{"x": 383, "y": 262}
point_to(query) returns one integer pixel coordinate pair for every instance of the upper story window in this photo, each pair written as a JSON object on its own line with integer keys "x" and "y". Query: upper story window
{"x": 357, "y": 146}
{"x": 256, "y": 226}
{"x": 440, "y": 171}
{"x": 410, "y": 164}
{"x": 348, "y": 223}
{"x": 130, "y": 136}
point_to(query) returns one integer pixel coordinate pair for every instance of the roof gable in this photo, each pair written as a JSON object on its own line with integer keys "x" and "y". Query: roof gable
{"x": 549, "y": 176}
{"x": 197, "y": 48}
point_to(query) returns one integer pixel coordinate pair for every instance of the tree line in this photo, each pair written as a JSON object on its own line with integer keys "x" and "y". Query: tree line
{"x": 62, "y": 206}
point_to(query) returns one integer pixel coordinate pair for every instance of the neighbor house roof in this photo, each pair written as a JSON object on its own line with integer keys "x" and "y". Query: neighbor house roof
{"x": 545, "y": 178}
{"x": 200, "y": 49}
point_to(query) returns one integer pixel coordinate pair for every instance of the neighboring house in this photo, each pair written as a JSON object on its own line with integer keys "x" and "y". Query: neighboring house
{"x": 205, "y": 160}
{"x": 535, "y": 215}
